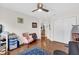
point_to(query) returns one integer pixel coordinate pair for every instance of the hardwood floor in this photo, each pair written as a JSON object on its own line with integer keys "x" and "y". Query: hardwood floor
{"x": 45, "y": 44}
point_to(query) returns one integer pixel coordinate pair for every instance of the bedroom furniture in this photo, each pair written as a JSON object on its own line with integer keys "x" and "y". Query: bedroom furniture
{"x": 73, "y": 49}
{"x": 2, "y": 46}
{"x": 34, "y": 36}
{"x": 12, "y": 41}
{"x": 3, "y": 42}
{"x": 75, "y": 33}
{"x": 29, "y": 38}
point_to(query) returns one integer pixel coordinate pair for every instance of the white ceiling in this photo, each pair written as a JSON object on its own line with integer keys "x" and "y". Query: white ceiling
{"x": 55, "y": 9}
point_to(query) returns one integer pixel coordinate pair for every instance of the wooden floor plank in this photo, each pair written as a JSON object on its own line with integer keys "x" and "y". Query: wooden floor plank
{"x": 45, "y": 44}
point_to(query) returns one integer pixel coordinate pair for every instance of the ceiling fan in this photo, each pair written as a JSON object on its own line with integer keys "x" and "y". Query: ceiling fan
{"x": 40, "y": 7}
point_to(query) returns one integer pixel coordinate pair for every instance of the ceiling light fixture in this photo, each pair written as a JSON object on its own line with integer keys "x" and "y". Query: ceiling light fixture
{"x": 40, "y": 8}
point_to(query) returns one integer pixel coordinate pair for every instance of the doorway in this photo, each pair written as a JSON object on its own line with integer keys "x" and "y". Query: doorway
{"x": 43, "y": 32}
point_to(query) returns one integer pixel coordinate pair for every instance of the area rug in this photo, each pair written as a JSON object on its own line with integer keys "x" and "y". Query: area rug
{"x": 34, "y": 51}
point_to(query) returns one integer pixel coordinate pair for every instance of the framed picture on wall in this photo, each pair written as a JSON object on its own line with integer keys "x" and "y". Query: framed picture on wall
{"x": 20, "y": 20}
{"x": 34, "y": 25}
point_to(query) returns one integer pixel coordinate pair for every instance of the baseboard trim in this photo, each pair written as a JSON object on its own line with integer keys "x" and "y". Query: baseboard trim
{"x": 60, "y": 42}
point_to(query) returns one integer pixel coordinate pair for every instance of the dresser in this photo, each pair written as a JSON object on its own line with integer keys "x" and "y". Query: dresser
{"x": 13, "y": 42}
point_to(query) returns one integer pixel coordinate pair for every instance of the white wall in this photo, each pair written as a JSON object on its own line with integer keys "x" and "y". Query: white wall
{"x": 61, "y": 28}
{"x": 58, "y": 26}
{"x": 78, "y": 20}
{"x": 8, "y": 19}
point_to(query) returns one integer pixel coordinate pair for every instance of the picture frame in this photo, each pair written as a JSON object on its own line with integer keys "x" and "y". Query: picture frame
{"x": 20, "y": 20}
{"x": 34, "y": 25}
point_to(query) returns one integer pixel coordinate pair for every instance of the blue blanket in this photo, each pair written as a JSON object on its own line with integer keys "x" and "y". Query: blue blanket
{"x": 34, "y": 51}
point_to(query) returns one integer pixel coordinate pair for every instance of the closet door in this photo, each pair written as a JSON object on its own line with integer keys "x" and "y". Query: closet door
{"x": 68, "y": 22}
{"x": 78, "y": 20}
{"x": 62, "y": 29}
{"x": 59, "y": 30}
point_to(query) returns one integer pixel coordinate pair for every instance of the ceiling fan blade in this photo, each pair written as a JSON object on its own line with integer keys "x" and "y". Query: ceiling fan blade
{"x": 34, "y": 10}
{"x": 45, "y": 10}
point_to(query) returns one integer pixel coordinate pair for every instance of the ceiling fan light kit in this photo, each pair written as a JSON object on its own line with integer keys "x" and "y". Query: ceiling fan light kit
{"x": 39, "y": 10}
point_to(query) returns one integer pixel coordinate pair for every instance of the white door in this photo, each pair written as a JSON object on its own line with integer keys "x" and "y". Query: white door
{"x": 68, "y": 27}
{"x": 62, "y": 29}
{"x": 58, "y": 30}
